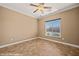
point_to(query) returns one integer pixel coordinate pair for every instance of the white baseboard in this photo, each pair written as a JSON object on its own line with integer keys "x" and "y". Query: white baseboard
{"x": 6, "y": 45}
{"x": 73, "y": 45}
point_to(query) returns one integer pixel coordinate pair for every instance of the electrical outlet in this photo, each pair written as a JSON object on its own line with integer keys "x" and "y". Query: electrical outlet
{"x": 12, "y": 38}
{"x": 62, "y": 38}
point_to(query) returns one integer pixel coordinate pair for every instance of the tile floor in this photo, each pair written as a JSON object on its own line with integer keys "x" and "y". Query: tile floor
{"x": 39, "y": 47}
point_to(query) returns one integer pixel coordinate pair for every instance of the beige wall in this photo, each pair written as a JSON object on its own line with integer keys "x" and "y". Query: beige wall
{"x": 69, "y": 25}
{"x": 1, "y": 28}
{"x": 16, "y": 25}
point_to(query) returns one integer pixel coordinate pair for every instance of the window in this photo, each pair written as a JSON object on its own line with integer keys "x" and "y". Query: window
{"x": 52, "y": 28}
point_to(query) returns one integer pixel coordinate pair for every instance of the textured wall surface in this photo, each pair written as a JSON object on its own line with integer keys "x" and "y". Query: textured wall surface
{"x": 69, "y": 25}
{"x": 16, "y": 26}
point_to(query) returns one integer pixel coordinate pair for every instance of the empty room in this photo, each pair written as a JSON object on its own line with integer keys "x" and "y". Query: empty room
{"x": 39, "y": 29}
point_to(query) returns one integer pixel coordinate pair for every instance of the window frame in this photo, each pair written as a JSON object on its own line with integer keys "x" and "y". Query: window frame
{"x": 59, "y": 26}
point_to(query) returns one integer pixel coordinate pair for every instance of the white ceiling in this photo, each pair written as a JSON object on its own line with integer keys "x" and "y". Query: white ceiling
{"x": 26, "y": 9}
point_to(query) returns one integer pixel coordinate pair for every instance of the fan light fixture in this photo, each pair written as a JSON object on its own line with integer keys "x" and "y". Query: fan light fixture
{"x": 40, "y": 7}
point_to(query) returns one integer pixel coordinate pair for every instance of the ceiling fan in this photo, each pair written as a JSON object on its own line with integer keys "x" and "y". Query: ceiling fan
{"x": 40, "y": 7}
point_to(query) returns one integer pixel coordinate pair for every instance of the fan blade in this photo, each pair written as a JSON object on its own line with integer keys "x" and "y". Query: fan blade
{"x": 33, "y": 5}
{"x": 47, "y": 7}
{"x": 35, "y": 10}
